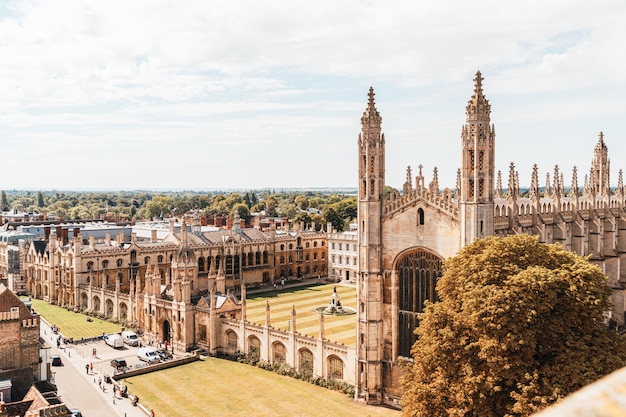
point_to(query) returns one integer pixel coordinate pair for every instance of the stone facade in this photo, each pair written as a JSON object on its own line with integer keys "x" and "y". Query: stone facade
{"x": 156, "y": 284}
{"x": 403, "y": 240}
{"x": 19, "y": 343}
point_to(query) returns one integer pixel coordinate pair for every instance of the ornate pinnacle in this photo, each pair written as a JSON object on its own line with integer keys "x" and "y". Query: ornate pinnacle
{"x": 371, "y": 115}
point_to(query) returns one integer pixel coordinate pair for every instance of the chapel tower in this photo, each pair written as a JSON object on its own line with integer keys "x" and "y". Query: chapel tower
{"x": 477, "y": 168}
{"x": 370, "y": 269}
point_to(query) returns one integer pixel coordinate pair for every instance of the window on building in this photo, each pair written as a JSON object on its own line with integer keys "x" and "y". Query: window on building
{"x": 232, "y": 341}
{"x": 335, "y": 367}
{"x": 332, "y": 245}
{"x": 306, "y": 361}
{"x": 279, "y": 353}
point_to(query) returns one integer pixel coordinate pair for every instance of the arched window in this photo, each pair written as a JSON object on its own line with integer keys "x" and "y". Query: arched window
{"x": 279, "y": 353}
{"x": 335, "y": 367}
{"x": 265, "y": 257}
{"x": 258, "y": 258}
{"x": 105, "y": 264}
{"x": 254, "y": 347}
{"x": 305, "y": 363}
{"x": 232, "y": 340}
{"x": 420, "y": 216}
{"x": 250, "y": 258}
{"x": 160, "y": 259}
{"x": 418, "y": 273}
{"x": 201, "y": 264}
{"x": 146, "y": 260}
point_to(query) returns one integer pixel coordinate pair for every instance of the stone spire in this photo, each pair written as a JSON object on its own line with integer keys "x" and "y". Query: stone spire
{"x": 600, "y": 168}
{"x": 620, "y": 188}
{"x": 512, "y": 192}
{"x": 556, "y": 185}
{"x": 433, "y": 187}
{"x": 478, "y": 107}
{"x": 534, "y": 183}
{"x": 499, "y": 185}
{"x": 574, "y": 191}
{"x": 419, "y": 180}
{"x": 371, "y": 117}
{"x": 458, "y": 184}
{"x": 547, "y": 193}
{"x": 408, "y": 184}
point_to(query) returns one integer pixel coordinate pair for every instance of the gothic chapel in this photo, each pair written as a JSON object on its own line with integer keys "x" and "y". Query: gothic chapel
{"x": 403, "y": 240}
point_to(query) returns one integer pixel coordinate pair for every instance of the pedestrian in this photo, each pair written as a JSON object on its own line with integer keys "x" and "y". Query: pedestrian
{"x": 87, "y": 368}
{"x": 114, "y": 390}
{"x": 282, "y": 283}
{"x": 91, "y": 366}
{"x": 100, "y": 381}
{"x": 151, "y": 413}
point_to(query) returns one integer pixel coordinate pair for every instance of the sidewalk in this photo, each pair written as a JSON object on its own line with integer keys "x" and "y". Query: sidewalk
{"x": 85, "y": 385}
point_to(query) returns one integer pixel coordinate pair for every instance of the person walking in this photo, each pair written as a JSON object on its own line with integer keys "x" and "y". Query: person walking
{"x": 87, "y": 368}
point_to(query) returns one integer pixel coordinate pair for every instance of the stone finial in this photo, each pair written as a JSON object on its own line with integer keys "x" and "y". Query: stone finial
{"x": 574, "y": 190}
{"x": 499, "y": 185}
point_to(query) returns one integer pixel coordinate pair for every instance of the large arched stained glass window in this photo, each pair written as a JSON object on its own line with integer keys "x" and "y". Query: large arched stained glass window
{"x": 418, "y": 272}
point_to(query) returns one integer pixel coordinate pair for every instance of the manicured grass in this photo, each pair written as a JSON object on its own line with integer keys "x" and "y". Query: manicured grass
{"x": 340, "y": 329}
{"x": 73, "y": 324}
{"x": 218, "y": 387}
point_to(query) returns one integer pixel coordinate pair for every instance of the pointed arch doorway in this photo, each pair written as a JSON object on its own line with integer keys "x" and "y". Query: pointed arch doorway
{"x": 166, "y": 331}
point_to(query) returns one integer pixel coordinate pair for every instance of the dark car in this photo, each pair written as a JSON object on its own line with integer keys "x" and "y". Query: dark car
{"x": 56, "y": 360}
{"x": 164, "y": 354}
{"x": 119, "y": 363}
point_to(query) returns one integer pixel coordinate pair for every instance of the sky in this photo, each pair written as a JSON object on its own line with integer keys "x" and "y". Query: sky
{"x": 201, "y": 95}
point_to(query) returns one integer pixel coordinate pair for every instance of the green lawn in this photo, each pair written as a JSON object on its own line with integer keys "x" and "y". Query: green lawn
{"x": 218, "y": 387}
{"x": 340, "y": 329}
{"x": 73, "y": 324}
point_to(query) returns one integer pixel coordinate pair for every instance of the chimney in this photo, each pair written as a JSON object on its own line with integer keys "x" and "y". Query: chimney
{"x": 153, "y": 235}
{"x": 92, "y": 241}
{"x": 107, "y": 238}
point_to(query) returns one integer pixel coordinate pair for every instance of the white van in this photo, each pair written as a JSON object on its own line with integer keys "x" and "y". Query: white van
{"x": 130, "y": 338}
{"x": 114, "y": 340}
{"x": 148, "y": 354}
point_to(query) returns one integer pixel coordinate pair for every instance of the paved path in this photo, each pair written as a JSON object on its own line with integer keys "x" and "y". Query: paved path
{"x": 80, "y": 390}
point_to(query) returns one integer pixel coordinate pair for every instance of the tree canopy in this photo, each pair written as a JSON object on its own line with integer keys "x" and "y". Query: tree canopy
{"x": 520, "y": 324}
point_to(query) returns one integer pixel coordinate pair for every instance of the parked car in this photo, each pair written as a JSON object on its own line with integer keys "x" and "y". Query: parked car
{"x": 119, "y": 363}
{"x": 114, "y": 340}
{"x": 130, "y": 338}
{"x": 164, "y": 354}
{"x": 148, "y": 354}
{"x": 56, "y": 360}
{"x": 76, "y": 412}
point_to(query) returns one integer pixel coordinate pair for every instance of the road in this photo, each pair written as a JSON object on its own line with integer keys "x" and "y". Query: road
{"x": 80, "y": 390}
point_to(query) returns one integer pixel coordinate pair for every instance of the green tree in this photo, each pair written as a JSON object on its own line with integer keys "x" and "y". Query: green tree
{"x": 40, "y": 202}
{"x": 244, "y": 212}
{"x": 4, "y": 202}
{"x": 520, "y": 324}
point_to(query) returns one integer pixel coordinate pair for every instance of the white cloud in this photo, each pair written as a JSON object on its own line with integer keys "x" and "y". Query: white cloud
{"x": 202, "y": 75}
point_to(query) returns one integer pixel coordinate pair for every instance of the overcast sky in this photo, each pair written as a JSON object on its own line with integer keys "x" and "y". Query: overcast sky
{"x": 269, "y": 94}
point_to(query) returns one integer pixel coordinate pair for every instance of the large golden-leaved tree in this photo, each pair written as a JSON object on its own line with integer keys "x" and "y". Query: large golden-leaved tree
{"x": 520, "y": 325}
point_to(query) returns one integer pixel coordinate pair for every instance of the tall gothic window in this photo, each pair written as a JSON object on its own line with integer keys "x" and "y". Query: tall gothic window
{"x": 418, "y": 273}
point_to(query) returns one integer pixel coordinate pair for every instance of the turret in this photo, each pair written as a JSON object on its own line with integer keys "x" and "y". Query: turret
{"x": 478, "y": 168}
